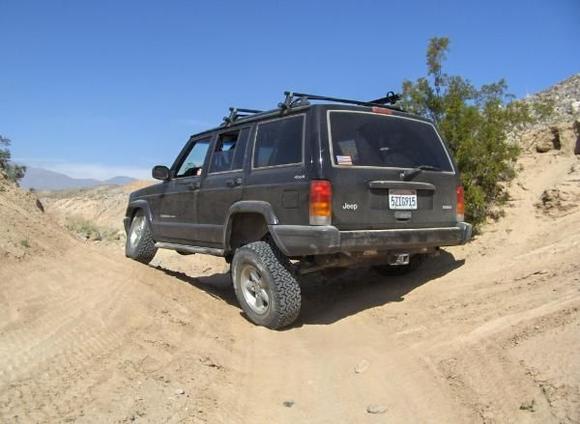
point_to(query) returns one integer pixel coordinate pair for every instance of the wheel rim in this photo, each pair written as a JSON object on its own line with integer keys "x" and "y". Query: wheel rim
{"x": 137, "y": 230}
{"x": 254, "y": 289}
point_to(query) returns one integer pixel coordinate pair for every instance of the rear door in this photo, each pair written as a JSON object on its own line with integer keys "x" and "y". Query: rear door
{"x": 278, "y": 172}
{"x": 222, "y": 186}
{"x": 178, "y": 219}
{"x": 374, "y": 172}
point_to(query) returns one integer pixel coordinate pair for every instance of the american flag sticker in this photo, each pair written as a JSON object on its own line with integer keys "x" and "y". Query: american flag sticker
{"x": 343, "y": 160}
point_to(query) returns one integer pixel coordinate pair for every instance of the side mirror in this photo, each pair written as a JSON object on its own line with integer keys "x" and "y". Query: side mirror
{"x": 160, "y": 172}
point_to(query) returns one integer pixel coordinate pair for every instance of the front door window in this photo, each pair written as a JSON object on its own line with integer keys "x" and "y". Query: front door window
{"x": 193, "y": 162}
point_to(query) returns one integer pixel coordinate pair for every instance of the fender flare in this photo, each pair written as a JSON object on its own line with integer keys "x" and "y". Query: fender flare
{"x": 137, "y": 204}
{"x": 248, "y": 206}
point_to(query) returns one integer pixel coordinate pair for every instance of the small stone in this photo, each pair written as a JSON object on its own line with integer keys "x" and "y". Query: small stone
{"x": 362, "y": 366}
{"x": 544, "y": 146}
{"x": 288, "y": 403}
{"x": 528, "y": 406}
{"x": 376, "y": 409}
{"x": 180, "y": 392}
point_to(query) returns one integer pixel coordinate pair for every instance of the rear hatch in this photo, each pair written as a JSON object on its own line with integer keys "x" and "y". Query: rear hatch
{"x": 389, "y": 171}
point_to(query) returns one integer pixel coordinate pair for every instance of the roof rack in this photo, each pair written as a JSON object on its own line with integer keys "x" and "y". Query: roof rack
{"x": 294, "y": 98}
{"x": 237, "y": 113}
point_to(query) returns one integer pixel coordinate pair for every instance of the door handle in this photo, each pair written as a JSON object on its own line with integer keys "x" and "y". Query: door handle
{"x": 194, "y": 185}
{"x": 233, "y": 182}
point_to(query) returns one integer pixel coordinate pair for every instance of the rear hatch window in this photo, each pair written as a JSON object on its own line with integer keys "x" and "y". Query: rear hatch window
{"x": 387, "y": 141}
{"x": 368, "y": 192}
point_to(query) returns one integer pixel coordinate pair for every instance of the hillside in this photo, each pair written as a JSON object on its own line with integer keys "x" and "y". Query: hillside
{"x": 559, "y": 130}
{"x": 44, "y": 179}
{"x": 487, "y": 332}
{"x": 104, "y": 206}
{"x": 25, "y": 228}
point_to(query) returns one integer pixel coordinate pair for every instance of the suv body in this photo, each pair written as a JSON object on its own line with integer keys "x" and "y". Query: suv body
{"x": 326, "y": 185}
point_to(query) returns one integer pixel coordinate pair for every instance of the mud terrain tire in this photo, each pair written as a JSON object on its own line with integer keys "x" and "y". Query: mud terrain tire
{"x": 140, "y": 244}
{"x": 266, "y": 289}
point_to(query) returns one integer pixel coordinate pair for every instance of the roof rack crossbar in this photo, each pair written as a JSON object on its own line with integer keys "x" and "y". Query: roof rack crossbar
{"x": 390, "y": 99}
{"x": 236, "y": 113}
{"x": 252, "y": 111}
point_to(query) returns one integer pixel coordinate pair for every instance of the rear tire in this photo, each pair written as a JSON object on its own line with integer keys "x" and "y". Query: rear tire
{"x": 393, "y": 270}
{"x": 266, "y": 288}
{"x": 140, "y": 244}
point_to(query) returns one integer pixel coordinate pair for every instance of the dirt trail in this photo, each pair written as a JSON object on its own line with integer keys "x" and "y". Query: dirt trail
{"x": 489, "y": 332}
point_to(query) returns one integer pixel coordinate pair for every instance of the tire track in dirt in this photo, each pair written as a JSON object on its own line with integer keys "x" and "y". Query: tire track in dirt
{"x": 79, "y": 335}
{"x": 483, "y": 333}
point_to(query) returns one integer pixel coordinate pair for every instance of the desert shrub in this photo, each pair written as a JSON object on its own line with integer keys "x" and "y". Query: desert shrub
{"x": 12, "y": 171}
{"x": 88, "y": 230}
{"x": 475, "y": 122}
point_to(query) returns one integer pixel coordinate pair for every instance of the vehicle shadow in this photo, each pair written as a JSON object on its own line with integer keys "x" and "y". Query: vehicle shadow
{"x": 218, "y": 286}
{"x": 327, "y": 300}
{"x": 356, "y": 290}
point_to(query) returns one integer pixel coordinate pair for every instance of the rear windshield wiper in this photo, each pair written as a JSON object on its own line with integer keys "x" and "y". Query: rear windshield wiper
{"x": 410, "y": 173}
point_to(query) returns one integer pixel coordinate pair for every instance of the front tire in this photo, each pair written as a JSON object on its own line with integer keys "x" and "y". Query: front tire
{"x": 266, "y": 288}
{"x": 140, "y": 244}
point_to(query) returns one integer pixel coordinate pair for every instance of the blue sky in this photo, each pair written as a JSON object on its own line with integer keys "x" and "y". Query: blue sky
{"x": 101, "y": 88}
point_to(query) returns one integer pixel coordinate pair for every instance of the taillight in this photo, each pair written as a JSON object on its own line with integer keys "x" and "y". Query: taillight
{"x": 320, "y": 202}
{"x": 382, "y": 110}
{"x": 460, "y": 210}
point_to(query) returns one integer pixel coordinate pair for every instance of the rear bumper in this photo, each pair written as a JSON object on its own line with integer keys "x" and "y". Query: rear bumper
{"x": 303, "y": 240}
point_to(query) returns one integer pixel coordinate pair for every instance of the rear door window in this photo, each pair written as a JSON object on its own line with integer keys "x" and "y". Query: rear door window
{"x": 228, "y": 154}
{"x": 368, "y": 139}
{"x": 279, "y": 142}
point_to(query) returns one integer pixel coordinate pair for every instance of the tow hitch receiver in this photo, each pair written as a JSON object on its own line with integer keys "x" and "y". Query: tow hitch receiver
{"x": 399, "y": 259}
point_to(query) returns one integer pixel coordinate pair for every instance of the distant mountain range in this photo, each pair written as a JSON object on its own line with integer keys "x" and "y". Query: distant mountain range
{"x": 43, "y": 179}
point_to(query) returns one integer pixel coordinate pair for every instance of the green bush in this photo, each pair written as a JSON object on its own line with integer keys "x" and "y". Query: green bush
{"x": 90, "y": 231}
{"x": 475, "y": 123}
{"x": 12, "y": 171}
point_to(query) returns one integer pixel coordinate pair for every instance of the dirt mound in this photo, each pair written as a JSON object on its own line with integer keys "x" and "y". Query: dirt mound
{"x": 93, "y": 210}
{"x": 564, "y": 197}
{"x": 558, "y": 202}
{"x": 25, "y": 230}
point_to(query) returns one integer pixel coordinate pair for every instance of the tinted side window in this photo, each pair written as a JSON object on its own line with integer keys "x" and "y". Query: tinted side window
{"x": 193, "y": 162}
{"x": 229, "y": 151}
{"x": 279, "y": 142}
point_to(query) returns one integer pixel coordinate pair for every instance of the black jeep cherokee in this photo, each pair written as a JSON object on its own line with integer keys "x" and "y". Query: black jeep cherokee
{"x": 317, "y": 183}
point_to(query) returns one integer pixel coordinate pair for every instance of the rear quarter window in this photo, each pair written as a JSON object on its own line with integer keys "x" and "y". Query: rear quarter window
{"x": 279, "y": 142}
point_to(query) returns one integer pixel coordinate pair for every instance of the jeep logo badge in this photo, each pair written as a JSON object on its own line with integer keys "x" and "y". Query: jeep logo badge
{"x": 350, "y": 206}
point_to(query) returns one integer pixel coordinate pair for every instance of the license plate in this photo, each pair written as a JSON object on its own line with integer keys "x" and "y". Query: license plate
{"x": 403, "y": 199}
